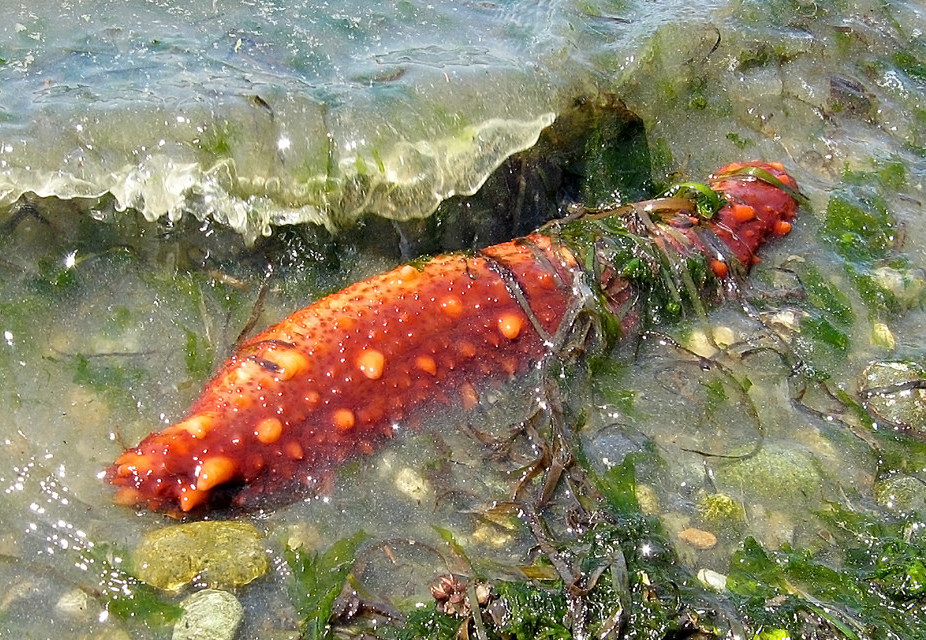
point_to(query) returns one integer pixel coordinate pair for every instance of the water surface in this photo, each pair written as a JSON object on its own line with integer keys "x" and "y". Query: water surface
{"x": 266, "y": 113}
{"x": 269, "y": 112}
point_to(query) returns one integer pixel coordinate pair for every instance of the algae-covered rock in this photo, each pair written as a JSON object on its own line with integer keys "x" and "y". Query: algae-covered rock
{"x": 901, "y": 494}
{"x": 209, "y": 614}
{"x": 721, "y": 510}
{"x": 775, "y": 473}
{"x": 223, "y": 554}
{"x": 895, "y": 393}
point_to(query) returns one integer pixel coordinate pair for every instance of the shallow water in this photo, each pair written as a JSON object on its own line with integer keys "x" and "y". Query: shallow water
{"x": 110, "y": 323}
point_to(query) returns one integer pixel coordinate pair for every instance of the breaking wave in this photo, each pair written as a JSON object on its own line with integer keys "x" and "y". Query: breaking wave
{"x": 284, "y": 111}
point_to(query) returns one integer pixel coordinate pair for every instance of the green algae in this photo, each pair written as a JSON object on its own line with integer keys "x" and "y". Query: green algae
{"x": 669, "y": 284}
{"x": 878, "y": 588}
{"x": 824, "y": 294}
{"x": 318, "y": 579}
{"x": 863, "y": 230}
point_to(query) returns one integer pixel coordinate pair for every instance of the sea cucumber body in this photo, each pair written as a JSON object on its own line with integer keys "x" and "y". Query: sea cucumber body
{"x": 756, "y": 211}
{"x": 337, "y": 377}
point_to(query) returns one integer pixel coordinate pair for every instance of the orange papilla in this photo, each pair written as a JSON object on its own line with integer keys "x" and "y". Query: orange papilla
{"x": 426, "y": 363}
{"x": 510, "y": 324}
{"x": 343, "y": 419}
{"x": 268, "y": 430}
{"x": 371, "y": 363}
{"x": 743, "y": 212}
{"x": 720, "y": 269}
{"x": 215, "y": 470}
{"x": 189, "y": 498}
{"x": 469, "y": 395}
{"x": 782, "y": 228}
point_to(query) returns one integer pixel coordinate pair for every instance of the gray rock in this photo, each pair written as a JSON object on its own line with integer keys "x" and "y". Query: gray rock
{"x": 895, "y": 392}
{"x": 209, "y": 614}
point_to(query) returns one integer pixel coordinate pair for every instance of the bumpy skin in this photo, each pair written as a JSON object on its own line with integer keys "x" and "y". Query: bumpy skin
{"x": 337, "y": 378}
{"x": 757, "y": 209}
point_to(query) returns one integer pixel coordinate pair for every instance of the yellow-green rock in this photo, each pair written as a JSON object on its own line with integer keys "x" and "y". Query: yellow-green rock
{"x": 222, "y": 554}
{"x": 721, "y": 509}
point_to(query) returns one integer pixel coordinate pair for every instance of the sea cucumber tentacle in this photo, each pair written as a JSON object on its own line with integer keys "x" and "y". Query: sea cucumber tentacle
{"x": 332, "y": 380}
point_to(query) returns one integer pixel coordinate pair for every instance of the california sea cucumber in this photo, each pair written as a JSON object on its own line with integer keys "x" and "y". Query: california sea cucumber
{"x": 332, "y": 380}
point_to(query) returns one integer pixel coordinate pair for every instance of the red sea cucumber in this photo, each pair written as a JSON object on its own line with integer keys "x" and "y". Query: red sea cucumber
{"x": 333, "y": 380}
{"x": 757, "y": 208}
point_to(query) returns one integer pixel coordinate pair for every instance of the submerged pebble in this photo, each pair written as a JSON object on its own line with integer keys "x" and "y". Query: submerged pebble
{"x": 882, "y": 336}
{"x": 698, "y": 538}
{"x": 410, "y": 483}
{"x": 712, "y": 579}
{"x": 706, "y": 345}
{"x": 209, "y": 614}
{"x": 74, "y": 604}
{"x": 221, "y": 554}
{"x": 901, "y": 494}
{"x": 647, "y": 498}
{"x": 894, "y": 392}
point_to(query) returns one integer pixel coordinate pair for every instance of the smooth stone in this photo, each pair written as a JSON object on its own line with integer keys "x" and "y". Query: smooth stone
{"x": 222, "y": 554}
{"x": 209, "y": 614}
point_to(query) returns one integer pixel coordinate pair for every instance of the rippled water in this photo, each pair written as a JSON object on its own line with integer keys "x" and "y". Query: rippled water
{"x": 268, "y": 112}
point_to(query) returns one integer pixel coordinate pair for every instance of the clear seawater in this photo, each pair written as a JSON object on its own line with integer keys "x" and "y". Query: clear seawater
{"x": 156, "y": 141}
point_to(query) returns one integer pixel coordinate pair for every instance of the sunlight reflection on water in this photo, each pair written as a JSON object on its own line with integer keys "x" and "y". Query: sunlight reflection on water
{"x": 178, "y": 108}
{"x": 285, "y": 111}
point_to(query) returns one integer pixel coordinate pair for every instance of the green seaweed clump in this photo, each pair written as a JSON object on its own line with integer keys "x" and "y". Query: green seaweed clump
{"x": 530, "y": 612}
{"x": 870, "y": 582}
{"x": 865, "y": 233}
{"x": 615, "y": 247}
{"x": 318, "y": 579}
